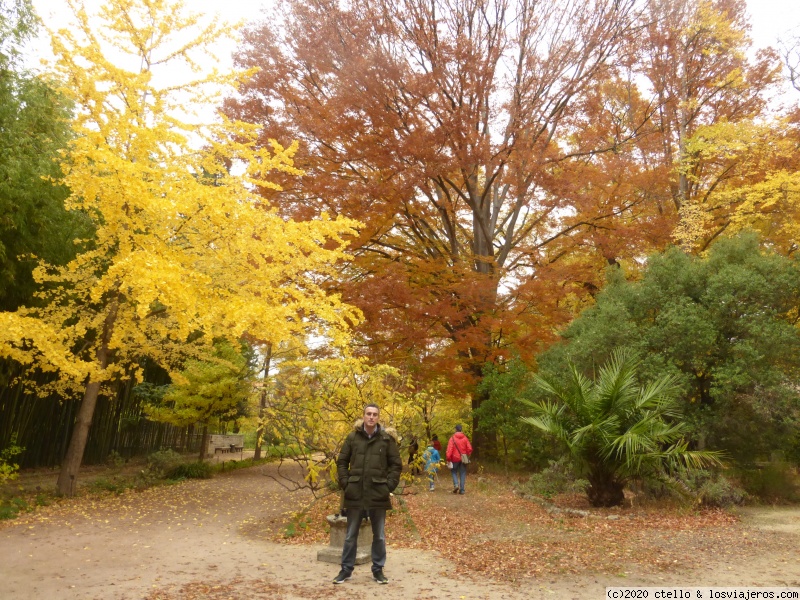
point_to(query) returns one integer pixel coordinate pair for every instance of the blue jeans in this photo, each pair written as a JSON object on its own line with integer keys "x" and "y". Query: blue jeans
{"x": 459, "y": 473}
{"x": 377, "y": 516}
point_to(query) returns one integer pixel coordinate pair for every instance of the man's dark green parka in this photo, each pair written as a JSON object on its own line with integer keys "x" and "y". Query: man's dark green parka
{"x": 369, "y": 469}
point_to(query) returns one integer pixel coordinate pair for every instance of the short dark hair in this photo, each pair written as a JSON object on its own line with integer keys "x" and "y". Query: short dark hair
{"x": 375, "y": 406}
{"x": 458, "y": 428}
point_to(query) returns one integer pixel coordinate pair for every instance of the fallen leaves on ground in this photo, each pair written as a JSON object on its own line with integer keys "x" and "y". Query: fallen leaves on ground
{"x": 256, "y": 589}
{"x": 491, "y": 532}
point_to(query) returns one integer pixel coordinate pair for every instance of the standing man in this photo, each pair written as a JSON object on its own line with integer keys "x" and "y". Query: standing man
{"x": 457, "y": 447}
{"x": 368, "y": 468}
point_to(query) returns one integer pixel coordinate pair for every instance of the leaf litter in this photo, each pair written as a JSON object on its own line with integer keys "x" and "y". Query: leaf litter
{"x": 493, "y": 533}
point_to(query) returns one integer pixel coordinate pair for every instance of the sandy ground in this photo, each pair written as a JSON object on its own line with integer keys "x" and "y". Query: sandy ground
{"x": 211, "y": 539}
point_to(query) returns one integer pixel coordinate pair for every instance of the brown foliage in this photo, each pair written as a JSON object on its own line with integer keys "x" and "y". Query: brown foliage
{"x": 500, "y": 153}
{"x": 441, "y": 127}
{"x": 491, "y": 532}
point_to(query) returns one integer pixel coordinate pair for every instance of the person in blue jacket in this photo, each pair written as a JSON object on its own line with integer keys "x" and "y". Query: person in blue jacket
{"x": 432, "y": 460}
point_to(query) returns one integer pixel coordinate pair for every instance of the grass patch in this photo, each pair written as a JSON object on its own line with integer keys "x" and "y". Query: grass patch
{"x": 114, "y": 485}
{"x": 299, "y": 524}
{"x": 12, "y": 507}
{"x": 192, "y": 470}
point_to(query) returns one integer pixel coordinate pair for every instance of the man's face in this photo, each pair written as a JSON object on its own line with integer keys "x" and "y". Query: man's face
{"x": 371, "y": 415}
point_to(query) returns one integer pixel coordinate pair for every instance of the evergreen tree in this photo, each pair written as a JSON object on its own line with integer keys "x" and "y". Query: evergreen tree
{"x": 34, "y": 128}
{"x": 724, "y": 325}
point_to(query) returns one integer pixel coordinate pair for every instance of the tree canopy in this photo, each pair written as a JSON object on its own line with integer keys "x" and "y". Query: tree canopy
{"x": 184, "y": 251}
{"x": 502, "y": 153}
{"x": 34, "y": 128}
{"x": 725, "y": 325}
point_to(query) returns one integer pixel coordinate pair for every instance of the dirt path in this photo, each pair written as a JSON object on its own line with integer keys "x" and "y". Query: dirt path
{"x": 211, "y": 539}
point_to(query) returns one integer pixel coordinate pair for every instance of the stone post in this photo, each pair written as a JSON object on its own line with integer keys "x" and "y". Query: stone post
{"x": 333, "y": 553}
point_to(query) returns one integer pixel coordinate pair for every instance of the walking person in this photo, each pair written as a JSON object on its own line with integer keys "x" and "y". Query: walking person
{"x": 458, "y": 452}
{"x": 368, "y": 469}
{"x": 436, "y": 443}
{"x": 432, "y": 460}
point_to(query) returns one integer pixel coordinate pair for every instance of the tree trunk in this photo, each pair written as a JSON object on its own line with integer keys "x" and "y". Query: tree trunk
{"x": 263, "y": 404}
{"x": 68, "y": 478}
{"x": 604, "y": 490}
{"x": 204, "y": 441}
{"x": 484, "y": 443}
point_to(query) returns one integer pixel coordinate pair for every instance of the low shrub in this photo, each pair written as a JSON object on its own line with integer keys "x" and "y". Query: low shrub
{"x": 714, "y": 489}
{"x": 232, "y": 465}
{"x": 114, "y": 485}
{"x": 557, "y": 478}
{"x": 299, "y": 523}
{"x": 12, "y": 507}
{"x": 162, "y": 462}
{"x": 192, "y": 470}
{"x": 7, "y": 511}
{"x": 701, "y": 487}
{"x": 114, "y": 459}
{"x": 774, "y": 482}
{"x": 8, "y": 468}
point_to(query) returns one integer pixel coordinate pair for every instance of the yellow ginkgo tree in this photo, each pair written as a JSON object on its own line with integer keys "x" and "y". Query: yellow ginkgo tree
{"x": 750, "y": 179}
{"x": 312, "y": 405}
{"x": 185, "y": 251}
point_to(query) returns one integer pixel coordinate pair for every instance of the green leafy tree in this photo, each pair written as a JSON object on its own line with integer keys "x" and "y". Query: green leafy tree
{"x": 724, "y": 325}
{"x": 8, "y": 468}
{"x": 616, "y": 430}
{"x": 206, "y": 392}
{"x": 501, "y": 414}
{"x": 34, "y": 128}
{"x": 17, "y": 22}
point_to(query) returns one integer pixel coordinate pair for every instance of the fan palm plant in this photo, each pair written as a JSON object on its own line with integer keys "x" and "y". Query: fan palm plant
{"x": 616, "y": 430}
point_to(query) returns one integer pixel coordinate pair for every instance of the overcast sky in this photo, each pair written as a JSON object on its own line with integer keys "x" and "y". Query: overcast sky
{"x": 769, "y": 18}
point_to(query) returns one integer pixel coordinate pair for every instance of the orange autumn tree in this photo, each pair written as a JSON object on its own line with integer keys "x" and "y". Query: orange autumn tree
{"x": 687, "y": 74}
{"x": 435, "y": 123}
{"x": 185, "y": 253}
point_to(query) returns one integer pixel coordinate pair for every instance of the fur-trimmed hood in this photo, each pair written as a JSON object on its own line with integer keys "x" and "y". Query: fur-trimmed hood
{"x": 359, "y": 424}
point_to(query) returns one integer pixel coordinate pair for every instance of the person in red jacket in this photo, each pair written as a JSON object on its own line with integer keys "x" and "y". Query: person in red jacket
{"x": 457, "y": 446}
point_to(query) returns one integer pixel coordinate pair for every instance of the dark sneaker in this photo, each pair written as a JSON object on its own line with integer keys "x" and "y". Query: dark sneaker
{"x": 380, "y": 577}
{"x": 342, "y": 577}
{"x": 455, "y": 490}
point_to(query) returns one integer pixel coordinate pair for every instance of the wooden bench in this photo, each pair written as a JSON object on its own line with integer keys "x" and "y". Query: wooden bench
{"x": 224, "y": 444}
{"x": 228, "y": 449}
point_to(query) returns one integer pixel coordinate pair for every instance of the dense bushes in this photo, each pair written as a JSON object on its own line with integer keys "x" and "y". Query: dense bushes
{"x": 192, "y": 470}
{"x": 557, "y": 478}
{"x": 723, "y": 327}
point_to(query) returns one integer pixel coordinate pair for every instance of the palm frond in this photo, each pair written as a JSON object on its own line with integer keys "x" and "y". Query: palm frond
{"x": 629, "y": 445}
{"x": 616, "y": 382}
{"x": 678, "y": 456}
{"x": 550, "y": 425}
{"x": 660, "y": 395}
